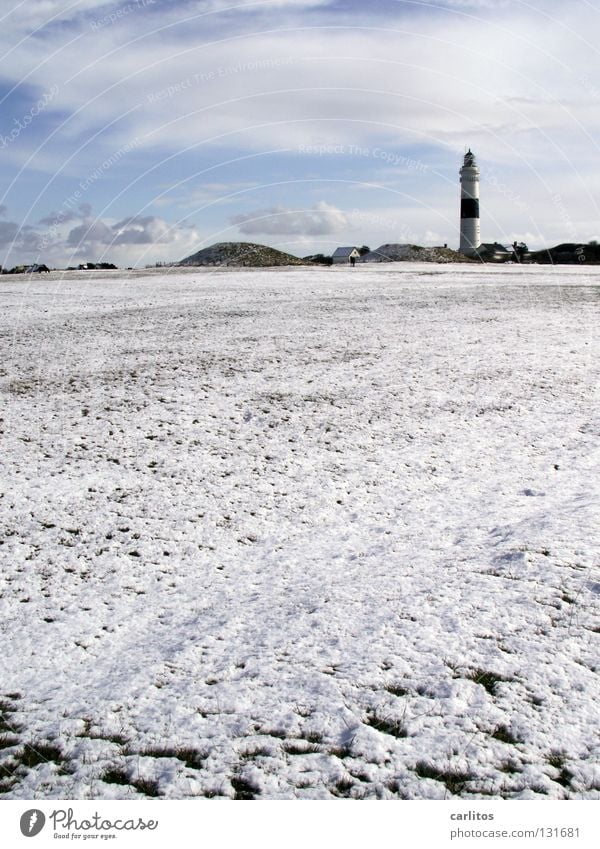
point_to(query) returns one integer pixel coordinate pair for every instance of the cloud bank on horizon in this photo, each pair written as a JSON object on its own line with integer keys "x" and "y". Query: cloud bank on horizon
{"x": 140, "y": 131}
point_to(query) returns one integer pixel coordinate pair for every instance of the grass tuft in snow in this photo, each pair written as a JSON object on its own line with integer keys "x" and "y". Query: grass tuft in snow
{"x": 510, "y": 767}
{"x": 192, "y": 758}
{"x": 258, "y": 752}
{"x": 115, "y": 776}
{"x": 8, "y": 779}
{"x": 395, "y": 787}
{"x": 117, "y": 739}
{"x": 278, "y": 733}
{"x": 393, "y": 727}
{"x": 27, "y": 757}
{"x": 39, "y": 753}
{"x": 565, "y": 776}
{"x": 299, "y": 747}
{"x": 341, "y": 752}
{"x": 6, "y": 721}
{"x": 343, "y": 788}
{"x": 120, "y": 777}
{"x": 505, "y": 735}
{"x": 313, "y": 737}
{"x": 242, "y": 788}
{"x": 488, "y": 680}
{"x": 397, "y": 690}
{"x": 453, "y": 780}
{"x": 146, "y": 786}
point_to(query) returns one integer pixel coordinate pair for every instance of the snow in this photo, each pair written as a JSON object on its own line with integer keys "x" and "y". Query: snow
{"x": 301, "y": 533}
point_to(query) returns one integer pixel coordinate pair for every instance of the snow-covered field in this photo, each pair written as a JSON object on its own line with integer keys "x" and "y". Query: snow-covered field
{"x": 301, "y": 533}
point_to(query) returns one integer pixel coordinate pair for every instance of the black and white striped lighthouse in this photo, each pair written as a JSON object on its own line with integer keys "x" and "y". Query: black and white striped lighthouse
{"x": 470, "y": 233}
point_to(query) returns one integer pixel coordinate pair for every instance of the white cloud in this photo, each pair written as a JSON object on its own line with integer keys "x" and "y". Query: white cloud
{"x": 146, "y": 230}
{"x": 88, "y": 233}
{"x": 134, "y": 239}
{"x": 437, "y": 79}
{"x": 322, "y": 219}
{"x": 30, "y": 17}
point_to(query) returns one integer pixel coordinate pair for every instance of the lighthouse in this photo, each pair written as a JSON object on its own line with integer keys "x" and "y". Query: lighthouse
{"x": 470, "y": 234}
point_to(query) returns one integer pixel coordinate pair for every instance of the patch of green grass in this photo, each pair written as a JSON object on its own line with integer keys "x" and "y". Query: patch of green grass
{"x": 454, "y": 780}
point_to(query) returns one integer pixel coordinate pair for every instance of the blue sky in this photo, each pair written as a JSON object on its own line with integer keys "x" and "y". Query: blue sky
{"x": 140, "y": 131}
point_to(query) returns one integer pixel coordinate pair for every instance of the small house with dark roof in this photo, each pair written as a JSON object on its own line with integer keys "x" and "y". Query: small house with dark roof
{"x": 345, "y": 255}
{"x": 493, "y": 252}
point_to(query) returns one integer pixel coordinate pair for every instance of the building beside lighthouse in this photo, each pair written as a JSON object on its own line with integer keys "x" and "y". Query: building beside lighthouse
{"x": 470, "y": 232}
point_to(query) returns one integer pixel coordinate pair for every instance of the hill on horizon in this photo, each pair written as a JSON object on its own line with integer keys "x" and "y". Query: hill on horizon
{"x": 568, "y": 253}
{"x": 240, "y": 254}
{"x": 394, "y": 252}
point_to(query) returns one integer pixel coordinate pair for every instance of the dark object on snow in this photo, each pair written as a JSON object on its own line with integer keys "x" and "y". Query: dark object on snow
{"x": 36, "y": 268}
{"x": 493, "y": 252}
{"x": 318, "y": 259}
{"x": 568, "y": 253}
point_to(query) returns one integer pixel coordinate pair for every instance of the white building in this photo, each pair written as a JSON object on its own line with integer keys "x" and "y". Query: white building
{"x": 345, "y": 255}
